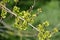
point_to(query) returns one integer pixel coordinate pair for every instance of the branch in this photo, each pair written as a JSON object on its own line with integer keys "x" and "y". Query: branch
{"x": 9, "y": 11}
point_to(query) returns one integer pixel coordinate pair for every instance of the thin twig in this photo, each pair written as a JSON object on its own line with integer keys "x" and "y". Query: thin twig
{"x": 32, "y": 6}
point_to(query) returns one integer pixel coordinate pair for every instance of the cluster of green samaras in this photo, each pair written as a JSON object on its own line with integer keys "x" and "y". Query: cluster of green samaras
{"x": 28, "y": 18}
{"x": 3, "y": 12}
{"x": 43, "y": 33}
